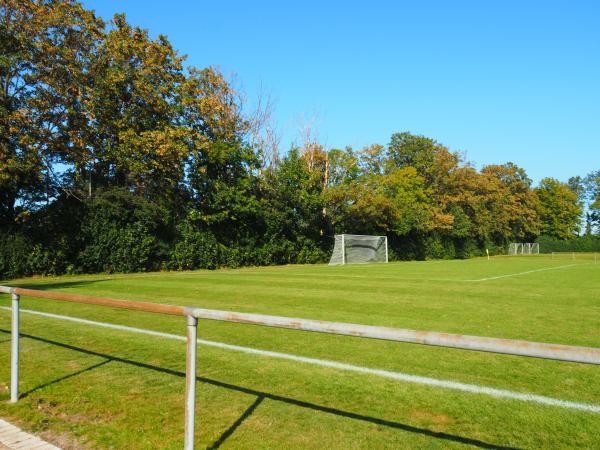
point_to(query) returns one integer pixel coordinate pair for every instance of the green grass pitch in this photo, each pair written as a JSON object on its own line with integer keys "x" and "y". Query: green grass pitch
{"x": 100, "y": 388}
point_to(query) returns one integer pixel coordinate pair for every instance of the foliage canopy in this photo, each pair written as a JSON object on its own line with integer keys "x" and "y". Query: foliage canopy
{"x": 116, "y": 156}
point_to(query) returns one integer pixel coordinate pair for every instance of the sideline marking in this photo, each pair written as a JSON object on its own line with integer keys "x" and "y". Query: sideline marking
{"x": 529, "y": 271}
{"x": 465, "y": 387}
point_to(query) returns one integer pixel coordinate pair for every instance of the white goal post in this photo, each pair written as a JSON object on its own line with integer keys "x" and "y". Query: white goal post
{"x": 524, "y": 248}
{"x": 359, "y": 249}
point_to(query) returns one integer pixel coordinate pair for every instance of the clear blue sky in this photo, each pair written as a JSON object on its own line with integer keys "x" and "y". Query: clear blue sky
{"x": 502, "y": 81}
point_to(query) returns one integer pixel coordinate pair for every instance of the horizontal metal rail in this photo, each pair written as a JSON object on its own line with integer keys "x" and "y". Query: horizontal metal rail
{"x": 124, "y": 304}
{"x": 587, "y": 355}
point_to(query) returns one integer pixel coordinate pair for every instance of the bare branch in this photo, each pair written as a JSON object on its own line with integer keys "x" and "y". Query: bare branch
{"x": 263, "y": 132}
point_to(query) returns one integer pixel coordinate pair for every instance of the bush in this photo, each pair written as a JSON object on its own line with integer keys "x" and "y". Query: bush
{"x": 550, "y": 244}
{"x": 48, "y": 260}
{"x": 309, "y": 252}
{"x": 468, "y": 248}
{"x": 194, "y": 249}
{"x": 20, "y": 257}
{"x": 122, "y": 232}
{"x": 14, "y": 252}
{"x": 438, "y": 247}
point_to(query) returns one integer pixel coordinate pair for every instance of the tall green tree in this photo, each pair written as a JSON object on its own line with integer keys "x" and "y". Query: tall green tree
{"x": 591, "y": 184}
{"x": 136, "y": 139}
{"x": 373, "y": 201}
{"x": 221, "y": 167}
{"x": 431, "y": 159}
{"x": 560, "y": 209}
{"x": 45, "y": 50}
{"x": 295, "y": 227}
{"x": 514, "y": 209}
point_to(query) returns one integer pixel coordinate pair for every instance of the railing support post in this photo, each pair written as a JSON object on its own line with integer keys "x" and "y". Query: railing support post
{"x": 14, "y": 355}
{"x": 190, "y": 382}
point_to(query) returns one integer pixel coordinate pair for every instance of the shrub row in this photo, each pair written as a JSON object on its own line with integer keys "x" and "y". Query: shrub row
{"x": 121, "y": 232}
{"x": 576, "y": 244}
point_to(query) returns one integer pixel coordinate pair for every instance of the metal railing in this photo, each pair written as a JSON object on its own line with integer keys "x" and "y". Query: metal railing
{"x": 587, "y": 355}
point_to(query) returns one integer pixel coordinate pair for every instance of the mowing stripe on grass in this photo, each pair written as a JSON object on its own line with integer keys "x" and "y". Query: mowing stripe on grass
{"x": 526, "y": 272}
{"x": 471, "y": 388}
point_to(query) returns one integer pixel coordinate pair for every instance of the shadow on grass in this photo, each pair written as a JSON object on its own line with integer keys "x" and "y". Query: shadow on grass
{"x": 57, "y": 285}
{"x": 260, "y": 396}
{"x": 66, "y": 377}
{"x": 237, "y": 423}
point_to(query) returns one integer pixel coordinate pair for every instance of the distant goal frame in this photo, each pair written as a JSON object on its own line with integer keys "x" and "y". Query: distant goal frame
{"x": 523, "y": 248}
{"x": 379, "y": 252}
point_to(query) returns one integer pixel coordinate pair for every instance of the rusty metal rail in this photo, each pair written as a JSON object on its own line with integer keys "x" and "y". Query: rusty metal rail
{"x": 124, "y": 304}
{"x": 587, "y": 355}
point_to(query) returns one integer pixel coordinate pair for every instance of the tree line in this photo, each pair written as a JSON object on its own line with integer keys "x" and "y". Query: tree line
{"x": 117, "y": 156}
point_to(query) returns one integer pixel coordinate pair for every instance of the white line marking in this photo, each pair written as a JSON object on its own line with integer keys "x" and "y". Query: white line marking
{"x": 524, "y": 273}
{"x": 471, "y": 388}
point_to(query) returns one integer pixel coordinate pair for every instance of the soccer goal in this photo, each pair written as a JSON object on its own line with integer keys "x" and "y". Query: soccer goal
{"x": 359, "y": 249}
{"x": 524, "y": 248}
{"x": 590, "y": 256}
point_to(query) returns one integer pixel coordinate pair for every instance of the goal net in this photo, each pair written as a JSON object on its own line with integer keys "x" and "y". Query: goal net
{"x": 359, "y": 249}
{"x": 524, "y": 248}
{"x": 590, "y": 256}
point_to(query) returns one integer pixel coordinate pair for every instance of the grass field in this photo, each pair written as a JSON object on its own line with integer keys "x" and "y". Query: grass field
{"x": 98, "y": 388}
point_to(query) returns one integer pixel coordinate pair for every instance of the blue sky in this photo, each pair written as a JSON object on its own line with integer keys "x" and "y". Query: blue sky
{"x": 500, "y": 81}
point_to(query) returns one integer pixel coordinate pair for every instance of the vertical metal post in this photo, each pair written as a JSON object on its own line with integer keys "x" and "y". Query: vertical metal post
{"x": 343, "y": 250}
{"x": 190, "y": 382}
{"x": 14, "y": 355}
{"x": 386, "y": 249}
